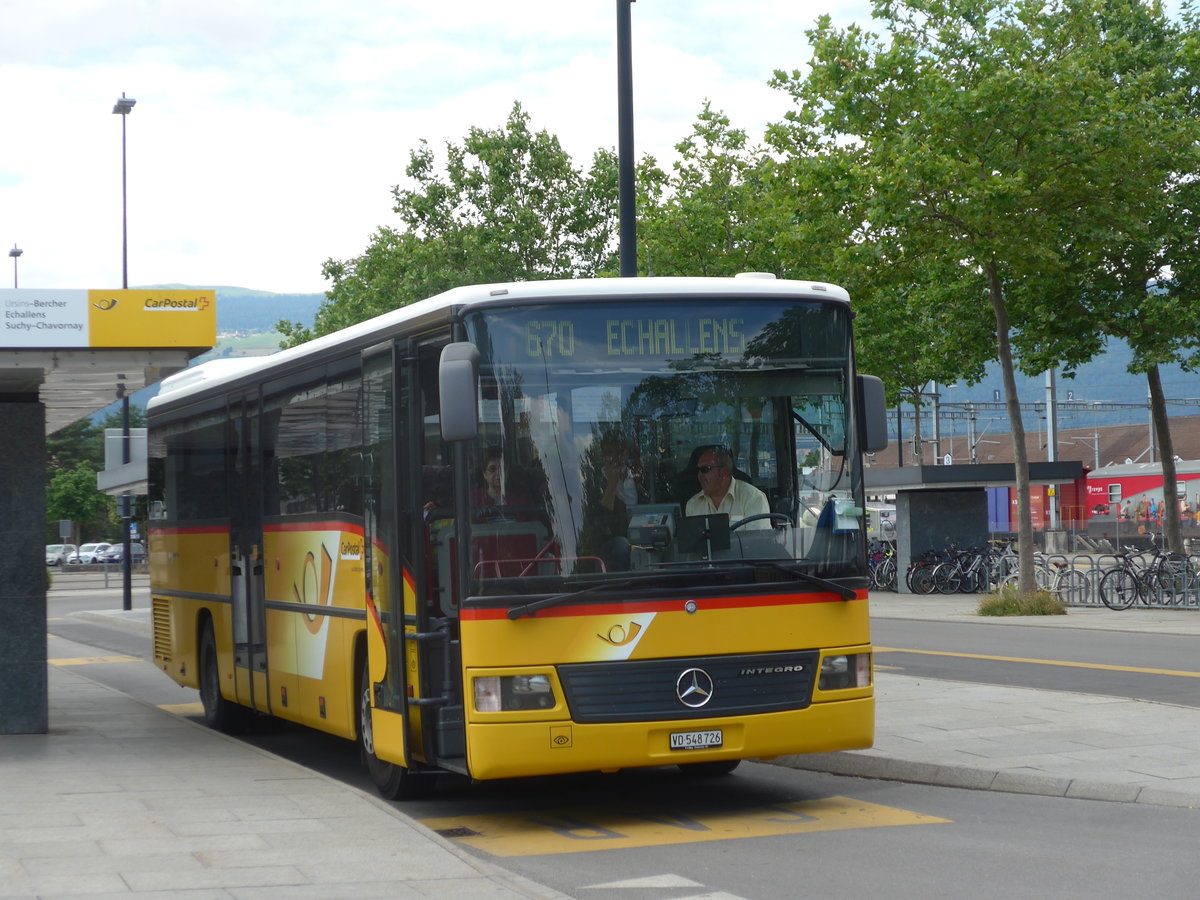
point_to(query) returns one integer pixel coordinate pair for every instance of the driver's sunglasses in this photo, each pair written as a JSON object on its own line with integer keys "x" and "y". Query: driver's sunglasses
{"x": 704, "y": 470}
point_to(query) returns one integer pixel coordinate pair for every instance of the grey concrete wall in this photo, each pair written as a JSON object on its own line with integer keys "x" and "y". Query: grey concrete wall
{"x": 933, "y": 520}
{"x": 23, "y": 695}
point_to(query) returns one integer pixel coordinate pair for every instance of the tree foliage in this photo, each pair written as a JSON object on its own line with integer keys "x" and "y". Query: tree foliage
{"x": 508, "y": 206}
{"x": 988, "y": 143}
{"x": 72, "y": 494}
{"x": 718, "y": 213}
{"x": 73, "y": 457}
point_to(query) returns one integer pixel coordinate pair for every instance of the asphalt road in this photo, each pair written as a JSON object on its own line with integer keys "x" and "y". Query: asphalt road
{"x": 1111, "y": 663}
{"x": 773, "y": 833}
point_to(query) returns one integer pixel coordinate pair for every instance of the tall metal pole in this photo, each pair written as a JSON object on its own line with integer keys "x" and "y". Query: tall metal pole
{"x": 937, "y": 425}
{"x": 15, "y": 253}
{"x": 126, "y": 509}
{"x": 122, "y": 108}
{"x": 1052, "y": 441}
{"x": 626, "y": 201}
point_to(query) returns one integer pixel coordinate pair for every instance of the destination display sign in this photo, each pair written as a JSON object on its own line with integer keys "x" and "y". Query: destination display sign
{"x": 660, "y": 336}
{"x": 611, "y": 333}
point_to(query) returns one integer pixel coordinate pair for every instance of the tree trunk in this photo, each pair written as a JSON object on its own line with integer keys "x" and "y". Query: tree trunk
{"x": 1166, "y": 452}
{"x": 1026, "y": 583}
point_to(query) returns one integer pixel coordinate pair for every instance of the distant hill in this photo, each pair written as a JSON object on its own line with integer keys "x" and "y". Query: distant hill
{"x": 245, "y": 312}
{"x": 1105, "y": 379}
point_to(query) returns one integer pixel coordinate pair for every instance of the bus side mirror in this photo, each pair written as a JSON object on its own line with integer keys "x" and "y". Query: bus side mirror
{"x": 458, "y": 386}
{"x": 872, "y": 414}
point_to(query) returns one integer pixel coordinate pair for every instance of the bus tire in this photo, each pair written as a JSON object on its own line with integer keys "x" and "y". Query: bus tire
{"x": 394, "y": 782}
{"x": 709, "y": 769}
{"x": 219, "y": 713}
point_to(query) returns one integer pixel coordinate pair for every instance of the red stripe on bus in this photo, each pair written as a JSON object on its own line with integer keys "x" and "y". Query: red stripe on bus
{"x": 644, "y": 606}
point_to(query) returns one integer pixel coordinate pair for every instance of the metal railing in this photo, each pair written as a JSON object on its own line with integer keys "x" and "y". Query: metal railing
{"x": 78, "y": 576}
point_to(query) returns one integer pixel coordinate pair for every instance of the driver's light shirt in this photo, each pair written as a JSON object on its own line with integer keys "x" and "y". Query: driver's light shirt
{"x": 743, "y": 499}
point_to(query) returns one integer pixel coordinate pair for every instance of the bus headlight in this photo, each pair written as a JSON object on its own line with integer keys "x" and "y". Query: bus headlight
{"x": 852, "y": 670}
{"x": 502, "y": 693}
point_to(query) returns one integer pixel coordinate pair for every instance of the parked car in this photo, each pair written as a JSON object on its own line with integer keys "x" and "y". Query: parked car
{"x": 91, "y": 553}
{"x": 116, "y": 553}
{"x": 57, "y": 554}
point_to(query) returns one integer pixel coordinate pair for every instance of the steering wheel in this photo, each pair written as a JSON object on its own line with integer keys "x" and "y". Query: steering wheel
{"x": 776, "y": 519}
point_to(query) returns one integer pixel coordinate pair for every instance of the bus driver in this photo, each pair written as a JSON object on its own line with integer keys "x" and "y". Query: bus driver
{"x": 720, "y": 492}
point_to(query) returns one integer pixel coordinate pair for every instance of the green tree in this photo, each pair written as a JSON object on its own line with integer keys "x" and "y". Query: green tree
{"x": 509, "y": 206}
{"x": 989, "y": 135}
{"x": 718, "y": 212}
{"x": 79, "y": 442}
{"x": 1140, "y": 276}
{"x": 71, "y": 494}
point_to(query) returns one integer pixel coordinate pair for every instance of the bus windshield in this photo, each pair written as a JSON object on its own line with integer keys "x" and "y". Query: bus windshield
{"x": 709, "y": 440}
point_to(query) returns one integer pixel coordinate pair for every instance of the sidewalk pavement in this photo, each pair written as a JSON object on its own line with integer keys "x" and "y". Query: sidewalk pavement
{"x": 1026, "y": 740}
{"x": 121, "y": 797}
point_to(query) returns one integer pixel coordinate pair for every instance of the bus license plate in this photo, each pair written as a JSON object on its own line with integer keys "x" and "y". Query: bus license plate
{"x": 695, "y": 740}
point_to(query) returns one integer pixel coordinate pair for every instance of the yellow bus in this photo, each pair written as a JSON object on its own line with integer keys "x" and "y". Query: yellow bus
{"x": 534, "y": 528}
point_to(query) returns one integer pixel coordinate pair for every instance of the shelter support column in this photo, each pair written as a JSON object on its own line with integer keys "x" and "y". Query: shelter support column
{"x": 24, "y": 704}
{"x": 935, "y": 519}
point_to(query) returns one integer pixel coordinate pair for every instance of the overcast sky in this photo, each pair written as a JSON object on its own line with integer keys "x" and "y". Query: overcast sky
{"x": 267, "y": 136}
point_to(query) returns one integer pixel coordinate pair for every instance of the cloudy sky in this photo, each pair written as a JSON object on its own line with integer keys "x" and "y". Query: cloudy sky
{"x": 266, "y": 136}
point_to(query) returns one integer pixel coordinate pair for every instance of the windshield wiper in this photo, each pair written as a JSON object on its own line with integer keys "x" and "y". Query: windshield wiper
{"x": 528, "y": 609}
{"x": 815, "y": 580}
{"x": 798, "y": 574}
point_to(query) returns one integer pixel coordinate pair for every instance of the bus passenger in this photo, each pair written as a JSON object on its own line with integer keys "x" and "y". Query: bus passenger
{"x": 720, "y": 492}
{"x": 496, "y": 491}
{"x": 606, "y": 513}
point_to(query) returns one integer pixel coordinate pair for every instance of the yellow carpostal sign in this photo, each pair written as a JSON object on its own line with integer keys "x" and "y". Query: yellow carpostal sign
{"x": 105, "y": 319}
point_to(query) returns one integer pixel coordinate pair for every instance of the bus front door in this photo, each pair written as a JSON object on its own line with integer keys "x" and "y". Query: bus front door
{"x": 412, "y": 646}
{"x": 246, "y": 556}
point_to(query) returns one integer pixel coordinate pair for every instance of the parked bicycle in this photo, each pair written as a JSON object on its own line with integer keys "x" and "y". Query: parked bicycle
{"x": 881, "y": 560}
{"x": 966, "y": 572}
{"x": 1167, "y": 578}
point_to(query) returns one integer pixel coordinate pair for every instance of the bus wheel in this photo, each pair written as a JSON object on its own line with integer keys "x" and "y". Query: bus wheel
{"x": 392, "y": 781}
{"x": 219, "y": 713}
{"x": 709, "y": 769}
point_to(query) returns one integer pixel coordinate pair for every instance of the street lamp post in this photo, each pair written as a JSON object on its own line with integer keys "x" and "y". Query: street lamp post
{"x": 123, "y": 107}
{"x": 15, "y": 253}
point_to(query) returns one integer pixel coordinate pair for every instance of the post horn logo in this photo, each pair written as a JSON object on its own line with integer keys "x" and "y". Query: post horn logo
{"x": 618, "y": 637}
{"x": 319, "y": 583}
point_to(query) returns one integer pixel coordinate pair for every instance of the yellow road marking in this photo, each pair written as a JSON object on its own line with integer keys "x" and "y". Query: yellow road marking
{"x": 92, "y": 660}
{"x": 1043, "y": 662}
{"x": 183, "y": 709}
{"x": 582, "y": 830}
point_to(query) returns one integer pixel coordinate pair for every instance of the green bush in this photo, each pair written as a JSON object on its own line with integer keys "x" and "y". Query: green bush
{"x": 1008, "y": 601}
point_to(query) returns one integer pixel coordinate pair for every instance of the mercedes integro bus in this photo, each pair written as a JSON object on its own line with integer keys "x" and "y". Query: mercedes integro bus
{"x": 533, "y": 528}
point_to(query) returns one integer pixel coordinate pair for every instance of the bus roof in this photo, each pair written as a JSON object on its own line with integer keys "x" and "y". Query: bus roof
{"x": 218, "y": 373}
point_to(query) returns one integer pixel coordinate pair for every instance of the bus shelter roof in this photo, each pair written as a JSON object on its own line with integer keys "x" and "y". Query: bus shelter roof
{"x": 983, "y": 475}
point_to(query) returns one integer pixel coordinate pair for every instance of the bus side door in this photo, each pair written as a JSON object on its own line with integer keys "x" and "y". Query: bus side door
{"x": 246, "y": 554}
{"x": 406, "y": 651}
